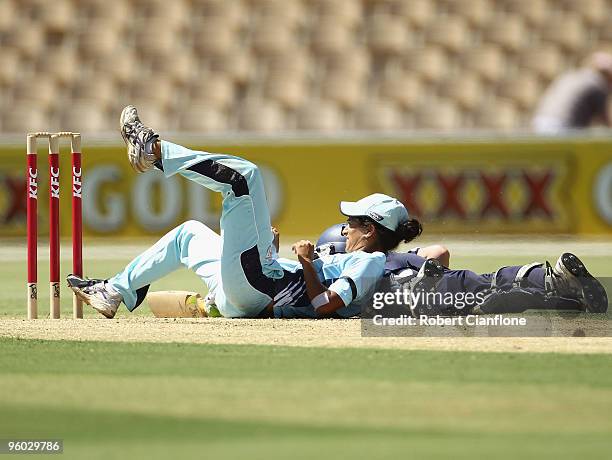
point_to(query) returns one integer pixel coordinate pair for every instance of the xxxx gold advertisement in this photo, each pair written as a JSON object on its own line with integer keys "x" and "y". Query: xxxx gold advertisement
{"x": 456, "y": 187}
{"x": 483, "y": 191}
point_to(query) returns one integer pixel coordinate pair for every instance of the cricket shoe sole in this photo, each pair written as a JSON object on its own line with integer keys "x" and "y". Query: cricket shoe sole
{"x": 426, "y": 281}
{"x": 138, "y": 138}
{"x": 573, "y": 270}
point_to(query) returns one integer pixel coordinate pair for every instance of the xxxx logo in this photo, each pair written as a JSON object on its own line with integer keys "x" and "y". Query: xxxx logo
{"x": 475, "y": 194}
{"x": 449, "y": 192}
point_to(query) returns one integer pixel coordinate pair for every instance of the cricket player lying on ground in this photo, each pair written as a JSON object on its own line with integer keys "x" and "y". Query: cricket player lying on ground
{"x": 244, "y": 276}
{"x": 566, "y": 286}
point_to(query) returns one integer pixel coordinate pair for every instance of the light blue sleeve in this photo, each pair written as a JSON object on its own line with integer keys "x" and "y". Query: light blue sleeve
{"x": 364, "y": 270}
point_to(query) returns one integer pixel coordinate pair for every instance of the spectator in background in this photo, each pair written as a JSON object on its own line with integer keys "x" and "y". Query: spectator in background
{"x": 576, "y": 99}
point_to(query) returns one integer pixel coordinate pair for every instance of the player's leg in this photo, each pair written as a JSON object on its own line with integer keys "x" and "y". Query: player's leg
{"x": 513, "y": 289}
{"x": 191, "y": 244}
{"x": 248, "y": 260}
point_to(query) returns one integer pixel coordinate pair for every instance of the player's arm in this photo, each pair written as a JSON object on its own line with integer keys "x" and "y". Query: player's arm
{"x": 436, "y": 251}
{"x": 324, "y": 301}
{"x": 276, "y": 240}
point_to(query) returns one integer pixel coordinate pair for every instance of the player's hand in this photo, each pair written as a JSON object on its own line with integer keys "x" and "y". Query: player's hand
{"x": 304, "y": 249}
{"x": 276, "y": 239}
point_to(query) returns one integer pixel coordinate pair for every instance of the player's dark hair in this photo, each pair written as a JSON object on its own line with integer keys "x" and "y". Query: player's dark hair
{"x": 390, "y": 239}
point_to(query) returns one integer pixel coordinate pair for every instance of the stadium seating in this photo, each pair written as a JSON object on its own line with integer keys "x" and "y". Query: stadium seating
{"x": 319, "y": 116}
{"x": 276, "y": 65}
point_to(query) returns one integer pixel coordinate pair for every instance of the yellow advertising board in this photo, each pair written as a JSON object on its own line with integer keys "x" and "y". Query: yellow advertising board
{"x": 454, "y": 186}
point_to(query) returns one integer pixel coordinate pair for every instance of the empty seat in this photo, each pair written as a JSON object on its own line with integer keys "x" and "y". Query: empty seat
{"x": 26, "y": 118}
{"x": 594, "y": 12}
{"x": 272, "y": 37}
{"x": 292, "y": 63}
{"x": 387, "y": 34}
{"x": 341, "y": 89}
{"x": 180, "y": 67}
{"x": 146, "y": 10}
{"x": 451, "y": 34}
{"x": 466, "y": 91}
{"x": 40, "y": 90}
{"x": 8, "y": 15}
{"x": 566, "y": 31}
{"x": 431, "y": 64}
{"x": 354, "y": 63}
{"x": 62, "y": 63}
{"x": 202, "y": 119}
{"x": 214, "y": 38}
{"x": 510, "y": 33}
{"x": 237, "y": 65}
{"x": 478, "y": 13}
{"x": 90, "y": 12}
{"x": 99, "y": 40}
{"x": 289, "y": 13}
{"x": 121, "y": 66}
{"x": 499, "y": 115}
{"x": 232, "y": 14}
{"x": 174, "y": 14}
{"x": 404, "y": 89}
{"x": 327, "y": 37}
{"x": 261, "y": 116}
{"x": 84, "y": 117}
{"x": 438, "y": 115}
{"x": 524, "y": 90}
{"x": 487, "y": 61}
{"x": 158, "y": 38}
{"x": 378, "y": 116}
{"x": 418, "y": 13}
{"x": 319, "y": 116}
{"x": 100, "y": 91}
{"x": 58, "y": 15}
{"x": 535, "y": 12}
{"x": 10, "y": 66}
{"x": 155, "y": 90}
{"x": 288, "y": 91}
{"x": 546, "y": 61}
{"x": 26, "y": 37}
{"x": 344, "y": 13}
{"x": 213, "y": 90}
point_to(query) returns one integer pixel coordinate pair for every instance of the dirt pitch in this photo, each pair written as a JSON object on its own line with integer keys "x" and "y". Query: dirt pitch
{"x": 299, "y": 333}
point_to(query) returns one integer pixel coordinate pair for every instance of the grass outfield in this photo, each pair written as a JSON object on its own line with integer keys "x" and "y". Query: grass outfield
{"x": 159, "y": 400}
{"x": 111, "y": 400}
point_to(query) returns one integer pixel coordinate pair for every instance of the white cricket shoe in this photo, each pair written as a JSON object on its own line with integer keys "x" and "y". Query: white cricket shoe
{"x": 139, "y": 139}
{"x": 97, "y": 293}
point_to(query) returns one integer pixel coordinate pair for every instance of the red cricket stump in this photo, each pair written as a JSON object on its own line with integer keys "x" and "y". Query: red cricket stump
{"x": 54, "y": 221}
{"x": 32, "y": 230}
{"x": 54, "y": 227}
{"x": 77, "y": 219}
